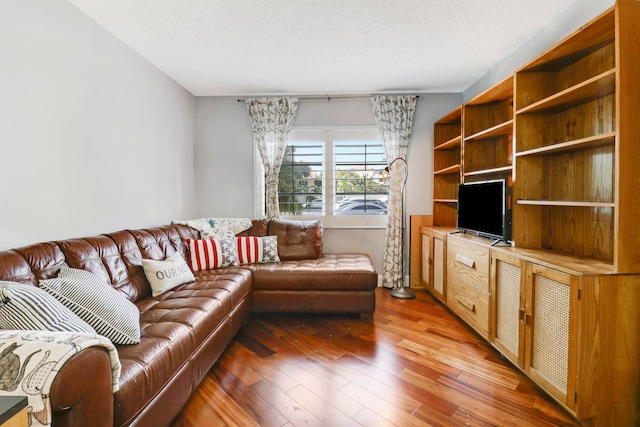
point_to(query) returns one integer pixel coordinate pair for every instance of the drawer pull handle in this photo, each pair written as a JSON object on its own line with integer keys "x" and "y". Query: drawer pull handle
{"x": 469, "y": 262}
{"x": 468, "y": 304}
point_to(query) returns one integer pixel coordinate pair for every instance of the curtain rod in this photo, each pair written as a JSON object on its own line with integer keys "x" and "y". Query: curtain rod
{"x": 320, "y": 97}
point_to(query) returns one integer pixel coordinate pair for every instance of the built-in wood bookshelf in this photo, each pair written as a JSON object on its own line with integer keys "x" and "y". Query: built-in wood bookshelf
{"x": 487, "y": 151}
{"x": 562, "y": 296}
{"x": 472, "y": 143}
{"x": 553, "y": 131}
{"x": 565, "y": 147}
{"x": 447, "y": 144}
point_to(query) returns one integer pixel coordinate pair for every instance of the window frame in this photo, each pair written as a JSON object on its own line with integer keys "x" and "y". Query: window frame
{"x": 327, "y": 136}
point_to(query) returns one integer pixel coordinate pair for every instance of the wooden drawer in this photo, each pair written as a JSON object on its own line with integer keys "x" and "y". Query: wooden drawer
{"x": 468, "y": 281}
{"x": 469, "y": 302}
{"x": 469, "y": 261}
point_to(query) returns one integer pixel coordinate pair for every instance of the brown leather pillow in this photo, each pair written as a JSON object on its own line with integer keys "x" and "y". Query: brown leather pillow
{"x": 297, "y": 239}
{"x": 258, "y": 228}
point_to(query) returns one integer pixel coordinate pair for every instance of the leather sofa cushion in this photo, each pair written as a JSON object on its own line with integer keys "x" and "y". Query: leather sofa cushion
{"x": 297, "y": 240}
{"x": 173, "y": 325}
{"x": 101, "y": 256}
{"x": 350, "y": 272}
{"x": 258, "y": 228}
{"x": 31, "y": 264}
{"x": 160, "y": 242}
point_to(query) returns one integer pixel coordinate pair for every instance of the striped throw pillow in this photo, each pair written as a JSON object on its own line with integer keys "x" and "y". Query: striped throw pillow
{"x": 27, "y": 307}
{"x": 108, "y": 311}
{"x": 257, "y": 249}
{"x": 206, "y": 254}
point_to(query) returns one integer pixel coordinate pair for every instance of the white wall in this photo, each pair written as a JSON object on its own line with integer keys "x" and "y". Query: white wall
{"x": 93, "y": 138}
{"x": 224, "y": 159}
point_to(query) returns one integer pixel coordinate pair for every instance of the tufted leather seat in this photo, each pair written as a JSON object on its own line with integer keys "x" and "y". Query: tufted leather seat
{"x": 173, "y": 325}
{"x": 334, "y": 283}
{"x": 186, "y": 329}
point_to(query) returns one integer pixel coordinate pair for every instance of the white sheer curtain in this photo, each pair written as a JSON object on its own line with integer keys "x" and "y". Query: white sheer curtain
{"x": 394, "y": 117}
{"x": 271, "y": 120}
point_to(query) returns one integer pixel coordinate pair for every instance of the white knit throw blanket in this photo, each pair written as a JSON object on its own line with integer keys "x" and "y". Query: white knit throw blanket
{"x": 30, "y": 360}
{"x": 219, "y": 228}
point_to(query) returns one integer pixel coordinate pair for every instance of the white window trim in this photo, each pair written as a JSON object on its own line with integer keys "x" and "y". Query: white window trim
{"x": 328, "y": 220}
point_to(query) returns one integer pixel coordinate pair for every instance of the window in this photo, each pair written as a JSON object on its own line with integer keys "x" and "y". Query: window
{"x": 301, "y": 177}
{"x": 358, "y": 187}
{"x": 334, "y": 175}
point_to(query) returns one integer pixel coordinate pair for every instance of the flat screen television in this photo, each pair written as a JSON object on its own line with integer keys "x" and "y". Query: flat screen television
{"x": 483, "y": 210}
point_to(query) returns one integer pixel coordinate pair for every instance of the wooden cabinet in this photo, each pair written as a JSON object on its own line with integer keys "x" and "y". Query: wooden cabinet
{"x": 468, "y": 281}
{"x": 534, "y": 322}
{"x": 508, "y": 305}
{"x": 418, "y": 261}
{"x": 564, "y": 322}
{"x": 551, "y": 333}
{"x": 434, "y": 264}
{"x": 562, "y": 300}
{"x": 438, "y": 266}
{"x": 570, "y": 323}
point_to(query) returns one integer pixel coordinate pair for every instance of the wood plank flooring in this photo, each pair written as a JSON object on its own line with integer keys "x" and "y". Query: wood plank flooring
{"x": 414, "y": 364}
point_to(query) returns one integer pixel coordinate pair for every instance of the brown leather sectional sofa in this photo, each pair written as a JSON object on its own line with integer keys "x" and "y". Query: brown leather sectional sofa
{"x": 186, "y": 329}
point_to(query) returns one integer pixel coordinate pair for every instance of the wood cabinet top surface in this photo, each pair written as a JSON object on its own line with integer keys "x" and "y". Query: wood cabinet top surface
{"x": 441, "y": 231}
{"x": 567, "y": 263}
{"x": 570, "y": 264}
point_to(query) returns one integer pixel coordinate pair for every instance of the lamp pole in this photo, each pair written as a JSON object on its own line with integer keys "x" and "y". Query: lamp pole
{"x": 401, "y": 291}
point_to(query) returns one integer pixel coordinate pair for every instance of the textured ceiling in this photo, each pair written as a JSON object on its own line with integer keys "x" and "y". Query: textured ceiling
{"x": 248, "y": 47}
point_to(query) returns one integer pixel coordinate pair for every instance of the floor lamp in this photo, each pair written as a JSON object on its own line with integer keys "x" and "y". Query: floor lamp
{"x": 401, "y": 291}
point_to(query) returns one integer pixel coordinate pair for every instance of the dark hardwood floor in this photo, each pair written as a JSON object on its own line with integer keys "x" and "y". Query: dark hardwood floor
{"x": 414, "y": 364}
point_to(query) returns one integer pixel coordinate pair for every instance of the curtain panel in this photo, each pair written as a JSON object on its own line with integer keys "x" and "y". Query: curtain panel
{"x": 394, "y": 118}
{"x": 271, "y": 121}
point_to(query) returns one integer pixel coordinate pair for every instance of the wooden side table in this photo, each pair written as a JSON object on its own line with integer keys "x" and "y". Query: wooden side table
{"x": 13, "y": 411}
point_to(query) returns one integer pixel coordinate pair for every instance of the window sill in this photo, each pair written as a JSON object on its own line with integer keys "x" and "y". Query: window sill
{"x": 345, "y": 221}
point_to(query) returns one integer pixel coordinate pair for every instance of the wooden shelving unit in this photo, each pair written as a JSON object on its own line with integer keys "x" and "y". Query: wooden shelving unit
{"x": 562, "y": 299}
{"x": 595, "y": 141}
{"x": 565, "y": 128}
{"x": 487, "y": 149}
{"x": 594, "y": 88}
{"x": 472, "y": 143}
{"x": 446, "y": 167}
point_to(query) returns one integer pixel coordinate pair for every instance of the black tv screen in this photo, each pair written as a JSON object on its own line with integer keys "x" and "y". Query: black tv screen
{"x": 482, "y": 209}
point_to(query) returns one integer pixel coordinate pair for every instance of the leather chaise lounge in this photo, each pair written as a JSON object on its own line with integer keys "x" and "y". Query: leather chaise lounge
{"x": 186, "y": 329}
